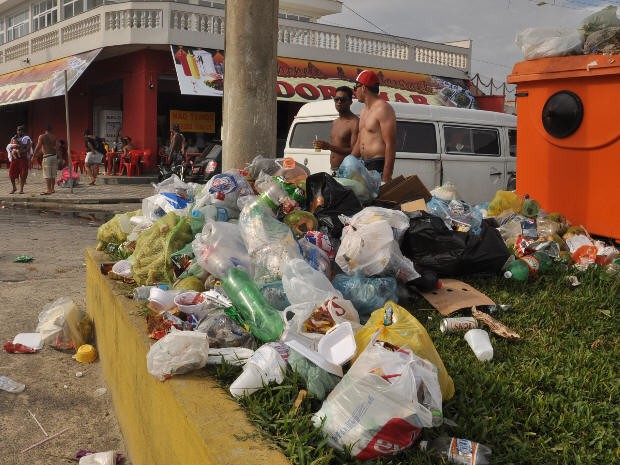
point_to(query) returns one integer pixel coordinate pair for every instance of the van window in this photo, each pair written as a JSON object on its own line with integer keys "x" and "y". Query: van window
{"x": 471, "y": 141}
{"x": 304, "y": 134}
{"x": 512, "y": 140}
{"x": 415, "y": 137}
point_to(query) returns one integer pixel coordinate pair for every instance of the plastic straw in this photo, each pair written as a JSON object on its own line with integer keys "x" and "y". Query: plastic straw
{"x": 35, "y": 419}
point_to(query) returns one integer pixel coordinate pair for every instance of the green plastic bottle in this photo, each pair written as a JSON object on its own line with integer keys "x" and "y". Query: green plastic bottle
{"x": 264, "y": 321}
{"x": 528, "y": 265}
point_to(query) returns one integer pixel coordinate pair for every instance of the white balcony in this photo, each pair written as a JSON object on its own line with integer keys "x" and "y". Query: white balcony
{"x": 122, "y": 27}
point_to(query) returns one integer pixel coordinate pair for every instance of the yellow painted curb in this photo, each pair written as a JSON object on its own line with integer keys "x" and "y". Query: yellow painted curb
{"x": 185, "y": 420}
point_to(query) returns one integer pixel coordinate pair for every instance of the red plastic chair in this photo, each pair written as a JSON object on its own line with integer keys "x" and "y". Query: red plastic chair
{"x": 131, "y": 163}
{"x": 78, "y": 161}
{"x": 4, "y": 158}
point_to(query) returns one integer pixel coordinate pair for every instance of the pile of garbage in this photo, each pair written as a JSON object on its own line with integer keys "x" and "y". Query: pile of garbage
{"x": 270, "y": 267}
{"x": 599, "y": 33}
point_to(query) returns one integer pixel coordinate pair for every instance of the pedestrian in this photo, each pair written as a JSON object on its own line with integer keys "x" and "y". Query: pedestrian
{"x": 94, "y": 155}
{"x": 46, "y": 150}
{"x": 376, "y": 141}
{"x": 19, "y": 158}
{"x": 344, "y": 129}
{"x": 176, "y": 153}
{"x": 62, "y": 154}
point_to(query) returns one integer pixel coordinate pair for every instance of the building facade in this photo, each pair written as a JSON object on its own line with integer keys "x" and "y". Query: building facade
{"x": 124, "y": 70}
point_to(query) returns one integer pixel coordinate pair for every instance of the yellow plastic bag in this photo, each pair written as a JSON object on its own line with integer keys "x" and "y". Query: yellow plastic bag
{"x": 505, "y": 200}
{"x": 405, "y": 330}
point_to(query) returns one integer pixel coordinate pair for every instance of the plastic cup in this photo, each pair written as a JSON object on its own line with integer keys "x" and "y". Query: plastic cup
{"x": 478, "y": 340}
{"x": 249, "y": 381}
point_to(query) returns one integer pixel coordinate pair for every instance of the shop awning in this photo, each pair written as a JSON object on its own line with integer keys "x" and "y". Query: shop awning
{"x": 44, "y": 80}
{"x": 200, "y": 71}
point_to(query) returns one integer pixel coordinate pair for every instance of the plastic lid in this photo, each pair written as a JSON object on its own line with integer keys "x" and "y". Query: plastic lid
{"x": 338, "y": 345}
{"x": 315, "y": 357}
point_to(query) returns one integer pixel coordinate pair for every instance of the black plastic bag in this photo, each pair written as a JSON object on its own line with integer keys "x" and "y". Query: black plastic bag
{"x": 337, "y": 200}
{"x": 430, "y": 244}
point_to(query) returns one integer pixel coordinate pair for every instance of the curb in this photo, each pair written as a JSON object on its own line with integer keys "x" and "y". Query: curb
{"x": 188, "y": 419}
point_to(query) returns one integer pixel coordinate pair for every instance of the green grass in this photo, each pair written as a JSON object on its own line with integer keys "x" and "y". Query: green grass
{"x": 550, "y": 399}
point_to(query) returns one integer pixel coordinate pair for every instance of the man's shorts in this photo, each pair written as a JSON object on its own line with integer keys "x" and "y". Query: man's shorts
{"x": 18, "y": 168}
{"x": 49, "y": 166}
{"x": 375, "y": 164}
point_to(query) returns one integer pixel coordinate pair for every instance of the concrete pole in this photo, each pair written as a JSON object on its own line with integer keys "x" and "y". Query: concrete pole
{"x": 249, "y": 113}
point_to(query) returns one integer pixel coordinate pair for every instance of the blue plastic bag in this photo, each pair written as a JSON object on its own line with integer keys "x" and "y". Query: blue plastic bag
{"x": 366, "y": 294}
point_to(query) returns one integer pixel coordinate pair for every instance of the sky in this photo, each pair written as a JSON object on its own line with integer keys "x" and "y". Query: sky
{"x": 492, "y": 25}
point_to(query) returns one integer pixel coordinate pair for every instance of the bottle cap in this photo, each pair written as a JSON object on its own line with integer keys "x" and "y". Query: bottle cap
{"x": 423, "y": 445}
{"x": 508, "y": 274}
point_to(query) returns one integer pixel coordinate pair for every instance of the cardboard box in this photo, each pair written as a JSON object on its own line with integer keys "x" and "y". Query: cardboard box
{"x": 402, "y": 189}
{"x": 414, "y": 206}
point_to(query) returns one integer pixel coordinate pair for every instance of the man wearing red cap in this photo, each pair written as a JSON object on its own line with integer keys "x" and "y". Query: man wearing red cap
{"x": 376, "y": 141}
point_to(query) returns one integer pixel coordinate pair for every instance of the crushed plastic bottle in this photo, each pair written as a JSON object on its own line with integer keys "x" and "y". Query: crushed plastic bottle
{"x": 9, "y": 385}
{"x": 456, "y": 450}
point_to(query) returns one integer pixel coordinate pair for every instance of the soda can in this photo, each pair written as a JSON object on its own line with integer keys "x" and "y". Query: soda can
{"x": 452, "y": 325}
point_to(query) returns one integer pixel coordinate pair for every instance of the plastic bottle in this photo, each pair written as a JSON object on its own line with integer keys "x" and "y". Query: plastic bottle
{"x": 7, "y": 384}
{"x": 527, "y": 266}
{"x": 196, "y": 221}
{"x": 456, "y": 450}
{"x": 267, "y": 364}
{"x": 264, "y": 321}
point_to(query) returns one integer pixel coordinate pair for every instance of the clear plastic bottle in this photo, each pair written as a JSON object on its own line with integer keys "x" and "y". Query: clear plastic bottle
{"x": 528, "y": 265}
{"x": 456, "y": 450}
{"x": 264, "y": 321}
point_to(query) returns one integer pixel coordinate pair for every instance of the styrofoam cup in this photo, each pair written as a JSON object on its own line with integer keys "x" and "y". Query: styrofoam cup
{"x": 478, "y": 340}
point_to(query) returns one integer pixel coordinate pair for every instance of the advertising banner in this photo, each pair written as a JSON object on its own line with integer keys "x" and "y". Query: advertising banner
{"x": 44, "y": 80}
{"x": 201, "y": 72}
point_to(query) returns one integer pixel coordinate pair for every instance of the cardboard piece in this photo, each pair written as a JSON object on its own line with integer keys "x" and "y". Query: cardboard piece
{"x": 455, "y": 295}
{"x": 414, "y": 206}
{"x": 402, "y": 189}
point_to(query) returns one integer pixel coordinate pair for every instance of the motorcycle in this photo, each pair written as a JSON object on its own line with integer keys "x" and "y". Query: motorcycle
{"x": 201, "y": 169}
{"x": 177, "y": 166}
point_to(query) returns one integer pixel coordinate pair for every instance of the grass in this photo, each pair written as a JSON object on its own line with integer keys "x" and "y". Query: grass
{"x": 550, "y": 399}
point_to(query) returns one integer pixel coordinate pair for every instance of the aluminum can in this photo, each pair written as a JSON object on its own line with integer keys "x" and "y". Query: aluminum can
{"x": 452, "y": 325}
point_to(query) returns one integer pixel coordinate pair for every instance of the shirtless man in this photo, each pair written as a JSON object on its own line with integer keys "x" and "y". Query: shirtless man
{"x": 376, "y": 142}
{"x": 176, "y": 153}
{"x": 46, "y": 148}
{"x": 344, "y": 129}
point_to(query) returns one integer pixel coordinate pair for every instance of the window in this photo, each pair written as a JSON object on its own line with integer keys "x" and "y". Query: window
{"x": 471, "y": 141}
{"x": 17, "y": 26}
{"x": 1, "y": 31}
{"x": 415, "y": 137}
{"x": 304, "y": 134}
{"x": 72, "y": 7}
{"x": 512, "y": 140}
{"x": 44, "y": 14}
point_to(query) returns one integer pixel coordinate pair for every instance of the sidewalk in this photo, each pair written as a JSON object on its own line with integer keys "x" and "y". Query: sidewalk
{"x": 110, "y": 193}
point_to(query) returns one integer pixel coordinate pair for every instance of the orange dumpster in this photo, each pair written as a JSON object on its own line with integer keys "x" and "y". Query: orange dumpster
{"x": 568, "y": 129}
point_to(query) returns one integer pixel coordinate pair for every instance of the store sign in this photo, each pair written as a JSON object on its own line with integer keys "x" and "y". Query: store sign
{"x": 201, "y": 72}
{"x": 193, "y": 121}
{"x": 44, "y": 80}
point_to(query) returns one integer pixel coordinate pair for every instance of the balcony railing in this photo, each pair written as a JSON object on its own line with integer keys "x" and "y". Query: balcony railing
{"x": 162, "y": 23}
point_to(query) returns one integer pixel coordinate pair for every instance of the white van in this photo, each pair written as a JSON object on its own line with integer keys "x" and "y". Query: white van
{"x": 474, "y": 149}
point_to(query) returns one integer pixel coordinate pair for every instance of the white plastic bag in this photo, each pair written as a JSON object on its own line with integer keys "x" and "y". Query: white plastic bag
{"x": 542, "y": 42}
{"x": 220, "y": 247}
{"x": 398, "y": 220}
{"x": 176, "y": 353}
{"x": 381, "y": 404}
{"x": 372, "y": 250}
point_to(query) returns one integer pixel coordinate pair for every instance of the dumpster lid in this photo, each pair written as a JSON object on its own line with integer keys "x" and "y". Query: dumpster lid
{"x": 564, "y": 67}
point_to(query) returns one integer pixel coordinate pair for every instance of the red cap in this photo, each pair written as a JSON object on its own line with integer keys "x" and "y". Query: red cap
{"x": 368, "y": 78}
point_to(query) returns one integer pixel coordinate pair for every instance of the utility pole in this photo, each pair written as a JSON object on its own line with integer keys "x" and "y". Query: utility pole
{"x": 249, "y": 113}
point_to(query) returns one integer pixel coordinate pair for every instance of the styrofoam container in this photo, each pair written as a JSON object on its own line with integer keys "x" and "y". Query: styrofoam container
{"x": 338, "y": 345}
{"x": 192, "y": 302}
{"x": 161, "y": 300}
{"x": 315, "y": 357}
